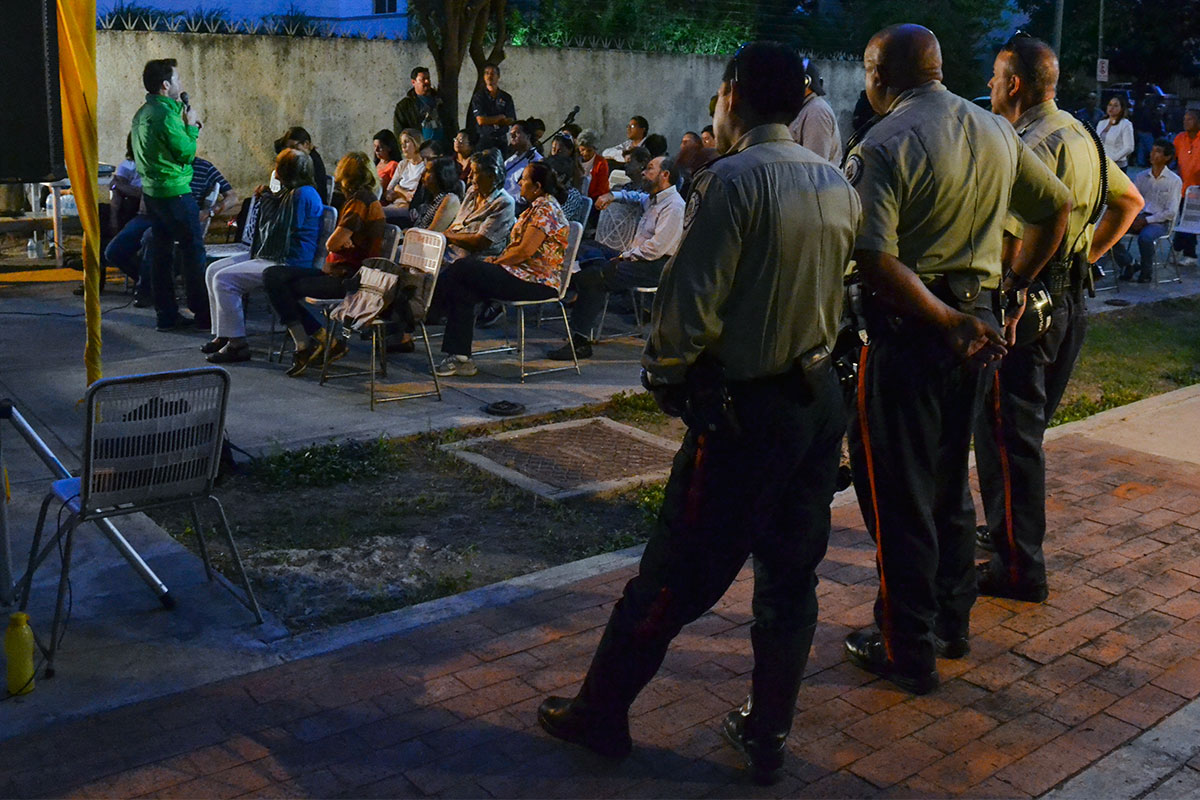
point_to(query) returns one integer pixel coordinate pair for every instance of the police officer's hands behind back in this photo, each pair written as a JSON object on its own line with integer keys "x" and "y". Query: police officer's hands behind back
{"x": 973, "y": 339}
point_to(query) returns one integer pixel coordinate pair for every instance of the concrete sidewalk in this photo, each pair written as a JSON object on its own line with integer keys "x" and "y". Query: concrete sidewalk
{"x": 438, "y": 699}
{"x": 1049, "y": 692}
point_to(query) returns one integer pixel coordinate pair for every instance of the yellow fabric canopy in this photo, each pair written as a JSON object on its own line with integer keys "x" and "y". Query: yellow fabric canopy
{"x": 77, "y": 81}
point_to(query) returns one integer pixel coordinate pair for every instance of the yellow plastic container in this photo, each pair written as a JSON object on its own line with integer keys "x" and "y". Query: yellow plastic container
{"x": 18, "y": 652}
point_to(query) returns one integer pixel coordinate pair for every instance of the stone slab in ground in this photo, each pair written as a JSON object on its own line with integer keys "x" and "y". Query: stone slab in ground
{"x": 578, "y": 458}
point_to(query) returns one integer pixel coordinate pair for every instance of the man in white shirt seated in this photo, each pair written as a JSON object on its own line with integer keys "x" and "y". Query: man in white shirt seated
{"x": 604, "y": 270}
{"x": 637, "y": 129}
{"x": 520, "y": 142}
{"x": 815, "y": 127}
{"x": 1161, "y": 189}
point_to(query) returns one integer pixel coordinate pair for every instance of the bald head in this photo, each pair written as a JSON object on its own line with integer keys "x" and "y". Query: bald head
{"x": 906, "y": 56}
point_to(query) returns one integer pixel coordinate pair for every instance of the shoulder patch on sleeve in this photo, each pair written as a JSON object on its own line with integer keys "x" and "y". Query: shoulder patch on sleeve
{"x": 853, "y": 168}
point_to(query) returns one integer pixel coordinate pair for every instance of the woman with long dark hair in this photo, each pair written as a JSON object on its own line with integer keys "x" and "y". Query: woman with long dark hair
{"x": 1116, "y": 131}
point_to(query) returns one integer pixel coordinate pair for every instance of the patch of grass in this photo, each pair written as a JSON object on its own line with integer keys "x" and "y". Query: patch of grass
{"x": 649, "y": 500}
{"x": 635, "y": 408}
{"x": 1133, "y": 354}
{"x": 328, "y": 464}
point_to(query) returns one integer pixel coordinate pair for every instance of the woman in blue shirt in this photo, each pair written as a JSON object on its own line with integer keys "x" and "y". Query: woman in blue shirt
{"x": 298, "y": 206}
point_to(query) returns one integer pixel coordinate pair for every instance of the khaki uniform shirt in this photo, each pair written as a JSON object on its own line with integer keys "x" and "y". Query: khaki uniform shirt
{"x": 757, "y": 280}
{"x": 1064, "y": 145}
{"x": 816, "y": 128}
{"x": 937, "y": 177}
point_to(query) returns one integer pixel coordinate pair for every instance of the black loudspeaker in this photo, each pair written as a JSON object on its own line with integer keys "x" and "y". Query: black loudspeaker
{"x": 31, "y": 141}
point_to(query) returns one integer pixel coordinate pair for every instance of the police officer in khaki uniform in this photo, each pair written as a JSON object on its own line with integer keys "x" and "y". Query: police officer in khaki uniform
{"x": 743, "y": 322}
{"x": 1027, "y": 387}
{"x": 937, "y": 176}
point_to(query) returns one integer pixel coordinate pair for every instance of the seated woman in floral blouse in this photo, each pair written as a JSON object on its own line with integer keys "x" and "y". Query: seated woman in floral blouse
{"x": 530, "y": 268}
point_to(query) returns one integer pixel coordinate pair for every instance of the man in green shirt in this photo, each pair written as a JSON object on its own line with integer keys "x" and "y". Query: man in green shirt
{"x": 164, "y": 134}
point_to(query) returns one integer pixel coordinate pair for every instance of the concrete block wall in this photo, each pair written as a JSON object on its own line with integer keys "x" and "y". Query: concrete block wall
{"x": 249, "y": 89}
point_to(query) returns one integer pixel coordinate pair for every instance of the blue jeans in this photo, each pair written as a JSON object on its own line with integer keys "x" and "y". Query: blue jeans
{"x": 1145, "y": 241}
{"x": 177, "y": 220}
{"x": 122, "y": 251}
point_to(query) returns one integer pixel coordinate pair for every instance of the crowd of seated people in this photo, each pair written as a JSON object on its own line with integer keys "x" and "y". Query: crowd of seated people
{"x": 357, "y": 237}
{"x": 500, "y": 190}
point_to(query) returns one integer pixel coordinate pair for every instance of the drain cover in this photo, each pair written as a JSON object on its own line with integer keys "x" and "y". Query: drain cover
{"x": 570, "y": 459}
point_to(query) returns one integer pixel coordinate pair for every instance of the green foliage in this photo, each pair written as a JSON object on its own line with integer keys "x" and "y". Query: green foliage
{"x": 636, "y": 408}
{"x": 328, "y": 464}
{"x": 649, "y": 500}
{"x": 962, "y": 28}
{"x": 671, "y": 26}
{"x": 1166, "y": 42}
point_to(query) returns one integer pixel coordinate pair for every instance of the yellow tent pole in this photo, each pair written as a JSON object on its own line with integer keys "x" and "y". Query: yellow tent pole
{"x": 77, "y": 79}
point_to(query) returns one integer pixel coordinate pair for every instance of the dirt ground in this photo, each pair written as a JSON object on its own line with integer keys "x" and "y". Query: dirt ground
{"x": 345, "y": 531}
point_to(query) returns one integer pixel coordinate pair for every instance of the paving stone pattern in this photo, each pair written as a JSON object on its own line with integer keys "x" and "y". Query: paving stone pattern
{"x": 448, "y": 710}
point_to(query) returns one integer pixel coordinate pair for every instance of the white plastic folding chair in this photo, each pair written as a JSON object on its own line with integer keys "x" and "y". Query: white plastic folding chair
{"x": 215, "y": 252}
{"x": 638, "y": 298}
{"x": 574, "y": 237}
{"x": 422, "y": 253}
{"x": 392, "y": 239}
{"x": 149, "y": 441}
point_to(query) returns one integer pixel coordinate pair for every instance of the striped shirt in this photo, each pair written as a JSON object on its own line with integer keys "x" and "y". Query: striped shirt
{"x": 204, "y": 178}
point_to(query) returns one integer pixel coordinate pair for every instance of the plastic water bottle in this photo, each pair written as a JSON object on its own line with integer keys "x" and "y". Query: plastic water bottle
{"x": 31, "y": 249}
{"x": 18, "y": 652}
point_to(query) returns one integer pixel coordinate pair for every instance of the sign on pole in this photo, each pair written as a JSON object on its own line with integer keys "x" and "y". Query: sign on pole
{"x": 1102, "y": 70}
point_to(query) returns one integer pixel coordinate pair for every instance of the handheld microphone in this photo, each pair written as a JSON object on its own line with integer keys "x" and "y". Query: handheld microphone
{"x": 183, "y": 98}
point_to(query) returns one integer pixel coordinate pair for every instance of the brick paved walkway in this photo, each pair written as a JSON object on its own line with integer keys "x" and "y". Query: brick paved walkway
{"x": 449, "y": 710}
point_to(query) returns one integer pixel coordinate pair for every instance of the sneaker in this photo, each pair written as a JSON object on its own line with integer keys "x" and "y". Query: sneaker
{"x": 460, "y": 366}
{"x": 1187, "y": 261}
{"x": 490, "y": 314}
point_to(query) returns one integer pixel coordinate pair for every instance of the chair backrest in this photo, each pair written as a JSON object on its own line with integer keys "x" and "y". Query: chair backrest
{"x": 1189, "y": 217}
{"x": 587, "y": 211}
{"x": 423, "y": 250}
{"x": 574, "y": 239}
{"x": 618, "y": 224}
{"x": 329, "y": 186}
{"x": 392, "y": 236}
{"x": 153, "y": 438}
{"x": 328, "y": 223}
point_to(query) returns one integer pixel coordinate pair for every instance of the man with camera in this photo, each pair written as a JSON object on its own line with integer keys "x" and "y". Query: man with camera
{"x": 743, "y": 321}
{"x": 1026, "y": 389}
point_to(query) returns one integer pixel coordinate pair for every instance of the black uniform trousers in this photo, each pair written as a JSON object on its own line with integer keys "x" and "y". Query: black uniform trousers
{"x": 909, "y": 446}
{"x": 764, "y": 492}
{"x": 1018, "y": 403}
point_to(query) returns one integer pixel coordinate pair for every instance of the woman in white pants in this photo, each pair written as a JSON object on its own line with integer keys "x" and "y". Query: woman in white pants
{"x": 230, "y": 279}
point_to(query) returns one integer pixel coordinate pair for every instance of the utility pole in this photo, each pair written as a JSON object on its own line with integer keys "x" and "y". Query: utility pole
{"x": 1058, "y": 18}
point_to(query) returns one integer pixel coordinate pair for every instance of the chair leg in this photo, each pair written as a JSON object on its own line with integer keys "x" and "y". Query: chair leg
{"x": 64, "y": 580}
{"x": 34, "y": 560}
{"x": 251, "y": 601}
{"x": 521, "y": 340}
{"x": 437, "y": 386}
{"x": 196, "y": 526}
{"x": 570, "y": 338}
{"x": 328, "y": 346}
{"x": 374, "y": 352}
{"x": 596, "y": 334}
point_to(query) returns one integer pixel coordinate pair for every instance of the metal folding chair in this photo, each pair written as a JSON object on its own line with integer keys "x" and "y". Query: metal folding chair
{"x": 574, "y": 237}
{"x": 149, "y": 441}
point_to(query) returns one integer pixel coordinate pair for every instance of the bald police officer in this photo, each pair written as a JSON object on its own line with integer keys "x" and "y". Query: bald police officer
{"x": 937, "y": 176}
{"x": 1026, "y": 389}
{"x": 743, "y": 321}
